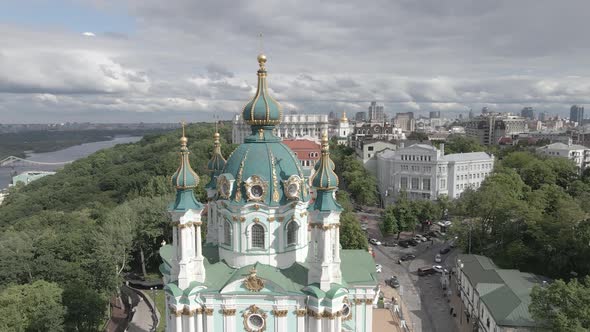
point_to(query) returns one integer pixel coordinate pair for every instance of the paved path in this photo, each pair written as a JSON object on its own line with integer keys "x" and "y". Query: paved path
{"x": 142, "y": 318}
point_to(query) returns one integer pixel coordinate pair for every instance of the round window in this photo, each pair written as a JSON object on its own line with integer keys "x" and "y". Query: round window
{"x": 256, "y": 191}
{"x": 345, "y": 310}
{"x": 255, "y": 321}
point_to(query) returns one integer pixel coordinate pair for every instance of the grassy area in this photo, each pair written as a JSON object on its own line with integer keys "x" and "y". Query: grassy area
{"x": 161, "y": 305}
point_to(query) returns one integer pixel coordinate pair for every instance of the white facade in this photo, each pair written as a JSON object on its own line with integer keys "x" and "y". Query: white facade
{"x": 367, "y": 152}
{"x": 423, "y": 172}
{"x": 579, "y": 154}
{"x": 343, "y": 130}
{"x": 467, "y": 170}
{"x": 291, "y": 126}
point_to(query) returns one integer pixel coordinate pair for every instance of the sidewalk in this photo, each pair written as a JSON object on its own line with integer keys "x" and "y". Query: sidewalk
{"x": 142, "y": 318}
{"x": 383, "y": 319}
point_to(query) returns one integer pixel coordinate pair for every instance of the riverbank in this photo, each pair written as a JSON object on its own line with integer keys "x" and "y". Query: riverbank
{"x": 67, "y": 154}
{"x": 18, "y": 144}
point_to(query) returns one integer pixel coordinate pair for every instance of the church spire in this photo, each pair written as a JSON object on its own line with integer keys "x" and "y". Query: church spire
{"x": 216, "y": 163}
{"x": 185, "y": 179}
{"x": 262, "y": 110}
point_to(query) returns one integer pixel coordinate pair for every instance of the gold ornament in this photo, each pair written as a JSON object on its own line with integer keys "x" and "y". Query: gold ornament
{"x": 253, "y": 283}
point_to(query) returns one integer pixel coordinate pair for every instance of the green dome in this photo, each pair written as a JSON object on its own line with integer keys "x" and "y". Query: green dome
{"x": 184, "y": 177}
{"x": 264, "y": 159}
{"x": 324, "y": 177}
{"x": 216, "y": 163}
{"x": 262, "y": 109}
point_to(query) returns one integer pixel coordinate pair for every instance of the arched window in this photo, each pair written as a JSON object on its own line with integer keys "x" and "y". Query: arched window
{"x": 292, "y": 230}
{"x": 227, "y": 233}
{"x": 258, "y": 236}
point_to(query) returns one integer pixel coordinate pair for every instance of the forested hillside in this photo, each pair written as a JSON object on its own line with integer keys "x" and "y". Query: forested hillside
{"x": 66, "y": 240}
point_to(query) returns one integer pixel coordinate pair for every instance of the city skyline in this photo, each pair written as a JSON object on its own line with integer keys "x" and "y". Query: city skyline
{"x": 132, "y": 61}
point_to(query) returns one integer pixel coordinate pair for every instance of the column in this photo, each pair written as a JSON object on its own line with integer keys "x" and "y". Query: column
{"x": 369, "y": 314}
{"x": 318, "y": 322}
{"x": 178, "y": 321}
{"x": 301, "y": 320}
{"x": 199, "y": 319}
{"x": 190, "y": 321}
{"x": 229, "y": 319}
{"x": 209, "y": 322}
{"x": 358, "y": 314}
{"x": 280, "y": 319}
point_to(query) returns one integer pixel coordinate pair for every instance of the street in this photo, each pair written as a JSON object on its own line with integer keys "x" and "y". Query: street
{"x": 423, "y": 296}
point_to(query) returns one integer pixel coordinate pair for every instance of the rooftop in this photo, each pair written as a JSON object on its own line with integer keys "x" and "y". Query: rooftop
{"x": 506, "y": 293}
{"x": 563, "y": 146}
{"x": 470, "y": 156}
{"x": 301, "y": 144}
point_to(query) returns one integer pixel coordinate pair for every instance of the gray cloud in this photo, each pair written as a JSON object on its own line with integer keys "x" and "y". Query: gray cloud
{"x": 199, "y": 58}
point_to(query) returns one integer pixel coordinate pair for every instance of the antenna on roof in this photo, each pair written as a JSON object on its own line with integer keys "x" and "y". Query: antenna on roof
{"x": 260, "y": 43}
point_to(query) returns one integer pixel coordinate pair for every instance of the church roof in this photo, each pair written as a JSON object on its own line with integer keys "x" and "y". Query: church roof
{"x": 357, "y": 266}
{"x": 262, "y": 109}
{"x": 185, "y": 179}
{"x": 216, "y": 163}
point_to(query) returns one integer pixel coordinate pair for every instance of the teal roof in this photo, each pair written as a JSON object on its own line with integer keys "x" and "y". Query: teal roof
{"x": 506, "y": 293}
{"x": 185, "y": 200}
{"x": 325, "y": 201}
{"x": 264, "y": 155}
{"x": 324, "y": 177}
{"x": 216, "y": 163}
{"x": 185, "y": 179}
{"x": 262, "y": 109}
{"x": 358, "y": 268}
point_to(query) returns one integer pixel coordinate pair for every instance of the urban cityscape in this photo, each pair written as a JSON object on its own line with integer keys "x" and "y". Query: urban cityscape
{"x": 198, "y": 166}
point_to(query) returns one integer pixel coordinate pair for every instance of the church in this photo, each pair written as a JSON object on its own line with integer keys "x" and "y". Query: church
{"x": 271, "y": 258}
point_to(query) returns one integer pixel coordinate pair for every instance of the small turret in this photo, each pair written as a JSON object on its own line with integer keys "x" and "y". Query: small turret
{"x": 185, "y": 179}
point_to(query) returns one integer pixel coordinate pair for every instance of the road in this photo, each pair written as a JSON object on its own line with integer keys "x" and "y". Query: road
{"x": 423, "y": 296}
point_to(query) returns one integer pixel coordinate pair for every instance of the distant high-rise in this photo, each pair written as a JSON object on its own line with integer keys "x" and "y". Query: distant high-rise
{"x": 405, "y": 121}
{"x": 435, "y": 114}
{"x": 360, "y": 116}
{"x": 542, "y": 116}
{"x": 470, "y": 114}
{"x": 528, "y": 113}
{"x": 484, "y": 110}
{"x": 376, "y": 113}
{"x": 577, "y": 114}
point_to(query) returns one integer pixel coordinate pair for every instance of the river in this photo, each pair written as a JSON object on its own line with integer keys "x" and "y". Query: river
{"x": 71, "y": 153}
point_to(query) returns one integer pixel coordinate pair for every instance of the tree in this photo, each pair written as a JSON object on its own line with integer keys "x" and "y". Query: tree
{"x": 562, "y": 306}
{"x": 32, "y": 307}
{"x": 418, "y": 136}
{"x": 351, "y": 234}
{"x": 462, "y": 144}
{"x": 390, "y": 224}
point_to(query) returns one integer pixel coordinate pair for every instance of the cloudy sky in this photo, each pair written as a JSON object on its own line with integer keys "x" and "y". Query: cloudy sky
{"x": 155, "y": 60}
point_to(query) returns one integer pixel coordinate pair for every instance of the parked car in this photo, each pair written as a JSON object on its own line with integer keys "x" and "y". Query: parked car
{"x": 420, "y": 238}
{"x": 389, "y": 244}
{"x": 413, "y": 242}
{"x": 427, "y": 270}
{"x": 393, "y": 282}
{"x": 444, "y": 250}
{"x": 437, "y": 258}
{"x": 440, "y": 269}
{"x": 404, "y": 244}
{"x": 375, "y": 242}
{"x": 364, "y": 227}
{"x": 378, "y": 268}
{"x": 407, "y": 257}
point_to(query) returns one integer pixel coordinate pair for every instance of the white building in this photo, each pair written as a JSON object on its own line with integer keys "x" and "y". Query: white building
{"x": 291, "y": 126}
{"x": 493, "y": 299}
{"x": 367, "y": 152}
{"x": 424, "y": 172}
{"x": 343, "y": 130}
{"x": 578, "y": 153}
{"x": 467, "y": 170}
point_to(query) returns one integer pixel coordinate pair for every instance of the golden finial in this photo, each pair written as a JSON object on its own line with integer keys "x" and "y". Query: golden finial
{"x": 344, "y": 118}
{"x": 261, "y": 60}
{"x": 183, "y": 139}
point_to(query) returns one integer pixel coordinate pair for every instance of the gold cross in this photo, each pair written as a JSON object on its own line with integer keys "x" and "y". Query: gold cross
{"x": 260, "y": 42}
{"x": 183, "y": 123}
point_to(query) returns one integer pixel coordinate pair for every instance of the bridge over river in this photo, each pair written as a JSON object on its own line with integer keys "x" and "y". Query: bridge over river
{"x": 13, "y": 161}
